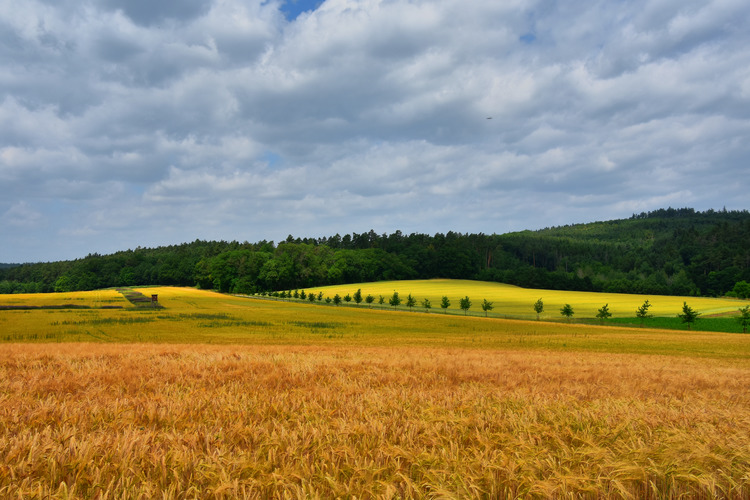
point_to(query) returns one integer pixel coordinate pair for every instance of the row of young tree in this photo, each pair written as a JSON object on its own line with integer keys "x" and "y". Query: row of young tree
{"x": 687, "y": 316}
{"x": 675, "y": 252}
{"x": 394, "y": 300}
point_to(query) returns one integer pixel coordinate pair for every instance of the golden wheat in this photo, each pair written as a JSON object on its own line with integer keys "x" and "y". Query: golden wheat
{"x": 169, "y": 421}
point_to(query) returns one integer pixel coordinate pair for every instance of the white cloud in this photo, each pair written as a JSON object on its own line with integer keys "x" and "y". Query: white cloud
{"x": 221, "y": 119}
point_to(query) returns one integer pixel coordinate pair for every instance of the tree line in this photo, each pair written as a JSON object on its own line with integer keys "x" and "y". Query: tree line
{"x": 688, "y": 315}
{"x": 666, "y": 252}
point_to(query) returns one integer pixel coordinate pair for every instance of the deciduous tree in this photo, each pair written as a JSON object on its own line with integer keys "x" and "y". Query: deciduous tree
{"x": 538, "y": 308}
{"x": 426, "y": 304}
{"x": 445, "y": 303}
{"x": 465, "y": 304}
{"x": 567, "y": 311}
{"x": 742, "y": 289}
{"x": 744, "y": 318}
{"x": 604, "y": 313}
{"x": 486, "y": 306}
{"x": 411, "y": 301}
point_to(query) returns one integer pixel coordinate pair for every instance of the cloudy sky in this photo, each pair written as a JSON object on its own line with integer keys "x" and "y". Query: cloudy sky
{"x": 128, "y": 123}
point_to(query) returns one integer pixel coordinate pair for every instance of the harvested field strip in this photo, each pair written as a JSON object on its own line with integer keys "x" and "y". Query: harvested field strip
{"x": 137, "y": 298}
{"x": 105, "y": 321}
{"x": 96, "y": 299}
{"x": 138, "y": 421}
{"x": 61, "y": 306}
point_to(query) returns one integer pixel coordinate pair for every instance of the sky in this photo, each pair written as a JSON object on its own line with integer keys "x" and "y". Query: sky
{"x": 133, "y": 123}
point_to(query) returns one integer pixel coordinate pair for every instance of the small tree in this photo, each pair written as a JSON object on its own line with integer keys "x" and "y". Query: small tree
{"x": 296, "y": 294}
{"x": 538, "y": 308}
{"x": 486, "y": 306}
{"x": 311, "y": 297}
{"x": 381, "y": 300}
{"x": 320, "y": 296}
{"x": 369, "y": 299}
{"x": 744, "y": 318}
{"x": 426, "y": 304}
{"x": 410, "y": 301}
{"x": 688, "y": 315}
{"x": 604, "y": 313}
{"x": 395, "y": 300}
{"x": 465, "y": 304}
{"x": 302, "y": 295}
{"x": 567, "y": 311}
{"x": 337, "y": 299}
{"x": 348, "y": 298}
{"x": 642, "y": 312}
{"x": 445, "y": 304}
{"x": 358, "y": 296}
{"x": 328, "y": 300}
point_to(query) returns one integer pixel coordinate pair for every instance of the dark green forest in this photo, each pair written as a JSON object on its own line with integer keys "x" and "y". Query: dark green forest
{"x": 667, "y": 251}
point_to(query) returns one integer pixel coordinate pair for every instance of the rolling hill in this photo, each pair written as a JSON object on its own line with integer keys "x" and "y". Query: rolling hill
{"x": 665, "y": 252}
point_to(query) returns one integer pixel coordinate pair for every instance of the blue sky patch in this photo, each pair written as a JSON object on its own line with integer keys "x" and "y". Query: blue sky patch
{"x": 272, "y": 159}
{"x": 293, "y": 8}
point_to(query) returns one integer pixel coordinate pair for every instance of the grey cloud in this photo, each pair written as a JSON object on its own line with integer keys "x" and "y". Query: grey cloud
{"x": 117, "y": 49}
{"x": 225, "y": 120}
{"x": 21, "y": 214}
{"x": 148, "y": 13}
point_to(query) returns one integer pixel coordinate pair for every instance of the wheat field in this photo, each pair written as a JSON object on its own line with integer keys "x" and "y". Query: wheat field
{"x": 214, "y": 396}
{"x": 167, "y": 421}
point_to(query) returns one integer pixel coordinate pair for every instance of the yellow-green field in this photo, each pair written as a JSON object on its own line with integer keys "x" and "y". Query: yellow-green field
{"x": 518, "y": 302}
{"x": 96, "y": 298}
{"x": 199, "y": 316}
{"x": 317, "y": 401}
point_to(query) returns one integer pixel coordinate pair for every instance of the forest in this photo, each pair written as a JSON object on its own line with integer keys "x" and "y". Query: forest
{"x": 664, "y": 252}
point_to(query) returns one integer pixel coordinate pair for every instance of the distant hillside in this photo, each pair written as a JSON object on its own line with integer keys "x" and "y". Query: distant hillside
{"x": 669, "y": 251}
